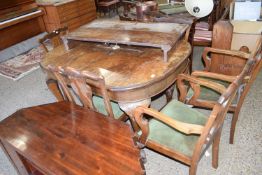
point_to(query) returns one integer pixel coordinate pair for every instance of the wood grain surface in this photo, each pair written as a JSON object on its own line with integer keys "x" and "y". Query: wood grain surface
{"x": 65, "y": 139}
{"x": 130, "y": 73}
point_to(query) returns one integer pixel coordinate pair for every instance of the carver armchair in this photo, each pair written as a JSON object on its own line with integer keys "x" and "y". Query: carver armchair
{"x": 205, "y": 97}
{"x": 76, "y": 85}
{"x": 183, "y": 133}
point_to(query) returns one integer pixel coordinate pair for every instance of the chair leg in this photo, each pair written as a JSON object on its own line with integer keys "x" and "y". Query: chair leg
{"x": 234, "y": 123}
{"x": 53, "y": 87}
{"x": 236, "y": 113}
{"x": 215, "y": 149}
{"x": 193, "y": 169}
{"x": 123, "y": 117}
{"x": 169, "y": 93}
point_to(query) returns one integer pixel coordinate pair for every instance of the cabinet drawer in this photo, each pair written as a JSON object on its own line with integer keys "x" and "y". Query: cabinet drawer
{"x": 75, "y": 9}
{"x": 81, "y": 20}
{"x": 76, "y": 14}
{"x": 72, "y": 12}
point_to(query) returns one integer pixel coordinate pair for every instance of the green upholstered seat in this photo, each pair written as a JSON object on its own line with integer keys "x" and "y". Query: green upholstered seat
{"x": 172, "y": 9}
{"x": 100, "y": 106}
{"x": 209, "y": 94}
{"x": 172, "y": 138}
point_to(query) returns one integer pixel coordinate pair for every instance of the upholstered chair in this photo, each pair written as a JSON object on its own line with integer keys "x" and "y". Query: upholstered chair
{"x": 206, "y": 96}
{"x": 183, "y": 133}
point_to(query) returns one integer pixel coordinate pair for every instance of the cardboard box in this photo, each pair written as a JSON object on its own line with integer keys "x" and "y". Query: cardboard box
{"x": 246, "y": 33}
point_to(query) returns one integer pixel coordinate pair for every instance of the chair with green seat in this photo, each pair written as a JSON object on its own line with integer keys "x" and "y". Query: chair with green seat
{"x": 207, "y": 96}
{"x": 82, "y": 85}
{"x": 183, "y": 133}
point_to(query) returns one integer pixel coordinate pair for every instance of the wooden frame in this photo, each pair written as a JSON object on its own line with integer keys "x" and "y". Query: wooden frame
{"x": 210, "y": 133}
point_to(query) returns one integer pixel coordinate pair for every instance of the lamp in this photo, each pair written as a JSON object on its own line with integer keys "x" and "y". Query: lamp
{"x": 199, "y": 8}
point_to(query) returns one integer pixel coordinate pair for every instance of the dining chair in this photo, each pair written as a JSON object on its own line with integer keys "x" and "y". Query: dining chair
{"x": 48, "y": 42}
{"x": 205, "y": 97}
{"x": 81, "y": 85}
{"x": 183, "y": 133}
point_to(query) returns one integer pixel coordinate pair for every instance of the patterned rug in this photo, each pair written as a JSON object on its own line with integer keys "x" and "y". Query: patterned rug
{"x": 22, "y": 65}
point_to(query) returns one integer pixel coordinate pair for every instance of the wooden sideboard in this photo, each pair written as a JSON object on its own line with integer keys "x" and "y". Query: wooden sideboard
{"x": 70, "y": 13}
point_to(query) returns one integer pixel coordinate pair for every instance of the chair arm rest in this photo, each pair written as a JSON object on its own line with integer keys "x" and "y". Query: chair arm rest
{"x": 207, "y": 50}
{"x": 180, "y": 126}
{"x": 195, "y": 83}
{"x": 212, "y": 75}
{"x": 212, "y": 85}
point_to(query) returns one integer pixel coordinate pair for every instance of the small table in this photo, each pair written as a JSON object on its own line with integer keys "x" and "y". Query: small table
{"x": 158, "y": 35}
{"x": 65, "y": 139}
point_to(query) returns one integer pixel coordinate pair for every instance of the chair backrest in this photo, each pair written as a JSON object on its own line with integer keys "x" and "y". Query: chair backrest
{"x": 225, "y": 64}
{"x": 54, "y": 37}
{"x": 81, "y": 84}
{"x": 216, "y": 119}
{"x": 221, "y": 39}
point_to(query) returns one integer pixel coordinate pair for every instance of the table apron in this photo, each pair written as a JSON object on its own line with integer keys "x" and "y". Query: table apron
{"x": 149, "y": 90}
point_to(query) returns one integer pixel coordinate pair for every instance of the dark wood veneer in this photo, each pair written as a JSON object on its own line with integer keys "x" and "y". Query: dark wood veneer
{"x": 62, "y": 138}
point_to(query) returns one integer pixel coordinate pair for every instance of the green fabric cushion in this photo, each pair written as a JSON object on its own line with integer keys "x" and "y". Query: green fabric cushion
{"x": 209, "y": 94}
{"x": 172, "y": 9}
{"x": 172, "y": 138}
{"x": 100, "y": 106}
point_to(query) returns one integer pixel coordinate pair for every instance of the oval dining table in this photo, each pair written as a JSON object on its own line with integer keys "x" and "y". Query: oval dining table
{"x": 132, "y": 74}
